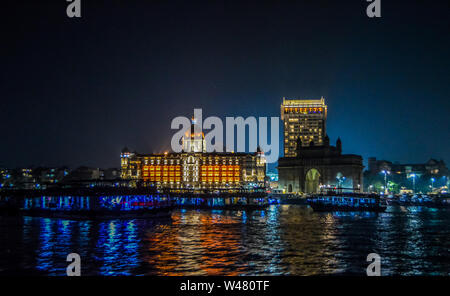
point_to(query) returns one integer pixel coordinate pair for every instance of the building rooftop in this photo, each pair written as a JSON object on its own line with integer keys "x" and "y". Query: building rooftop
{"x": 297, "y": 102}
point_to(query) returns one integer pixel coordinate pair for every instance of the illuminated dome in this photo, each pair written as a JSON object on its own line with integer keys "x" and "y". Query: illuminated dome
{"x": 194, "y": 141}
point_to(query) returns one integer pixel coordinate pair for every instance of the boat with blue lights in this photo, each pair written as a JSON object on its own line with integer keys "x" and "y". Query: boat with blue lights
{"x": 87, "y": 204}
{"x": 349, "y": 202}
{"x": 430, "y": 201}
{"x": 223, "y": 200}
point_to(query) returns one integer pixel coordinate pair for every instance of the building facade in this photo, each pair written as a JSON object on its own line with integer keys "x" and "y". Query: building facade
{"x": 195, "y": 169}
{"x": 304, "y": 120}
{"x": 431, "y": 167}
{"x": 431, "y": 176}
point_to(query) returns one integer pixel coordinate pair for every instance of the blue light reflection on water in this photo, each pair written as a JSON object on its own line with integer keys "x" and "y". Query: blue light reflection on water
{"x": 117, "y": 247}
{"x": 46, "y": 245}
{"x": 283, "y": 239}
{"x": 110, "y": 246}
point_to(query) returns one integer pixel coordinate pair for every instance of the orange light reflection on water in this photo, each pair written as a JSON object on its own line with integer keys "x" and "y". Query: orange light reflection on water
{"x": 201, "y": 244}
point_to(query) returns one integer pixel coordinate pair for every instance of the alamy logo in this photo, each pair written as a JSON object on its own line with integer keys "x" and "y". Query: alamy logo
{"x": 374, "y": 8}
{"x": 74, "y": 268}
{"x": 214, "y": 141}
{"x": 74, "y": 8}
{"x": 374, "y": 268}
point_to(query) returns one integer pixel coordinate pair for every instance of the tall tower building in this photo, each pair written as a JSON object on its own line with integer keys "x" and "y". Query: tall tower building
{"x": 304, "y": 120}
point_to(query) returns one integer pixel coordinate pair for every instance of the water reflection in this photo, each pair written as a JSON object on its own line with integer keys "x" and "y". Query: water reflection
{"x": 284, "y": 239}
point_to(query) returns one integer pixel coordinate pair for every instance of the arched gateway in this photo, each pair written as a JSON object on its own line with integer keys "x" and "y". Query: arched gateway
{"x": 316, "y": 165}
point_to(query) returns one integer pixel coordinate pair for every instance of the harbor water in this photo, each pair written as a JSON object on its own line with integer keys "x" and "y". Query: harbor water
{"x": 280, "y": 240}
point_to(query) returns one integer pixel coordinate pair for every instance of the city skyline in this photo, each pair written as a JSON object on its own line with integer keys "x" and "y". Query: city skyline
{"x": 271, "y": 166}
{"x": 227, "y": 146}
{"x": 67, "y": 103}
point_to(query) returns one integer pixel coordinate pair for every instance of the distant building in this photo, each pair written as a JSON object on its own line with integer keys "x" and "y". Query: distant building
{"x": 45, "y": 177}
{"x": 320, "y": 168}
{"x": 111, "y": 174}
{"x": 91, "y": 177}
{"x": 84, "y": 173}
{"x": 431, "y": 167}
{"x": 25, "y": 179}
{"x": 20, "y": 178}
{"x": 304, "y": 120}
{"x": 48, "y": 176}
{"x": 195, "y": 169}
{"x": 5, "y": 178}
{"x": 272, "y": 180}
{"x": 411, "y": 177}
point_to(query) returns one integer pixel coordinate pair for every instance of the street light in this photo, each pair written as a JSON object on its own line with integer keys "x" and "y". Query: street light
{"x": 432, "y": 183}
{"x": 340, "y": 179}
{"x": 385, "y": 172}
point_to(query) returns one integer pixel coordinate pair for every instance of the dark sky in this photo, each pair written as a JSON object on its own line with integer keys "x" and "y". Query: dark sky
{"x": 75, "y": 91}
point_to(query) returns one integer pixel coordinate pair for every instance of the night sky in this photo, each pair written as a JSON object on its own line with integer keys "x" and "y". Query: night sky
{"x": 76, "y": 91}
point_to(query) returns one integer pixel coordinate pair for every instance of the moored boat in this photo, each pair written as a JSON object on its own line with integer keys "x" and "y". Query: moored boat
{"x": 430, "y": 201}
{"x": 90, "y": 207}
{"x": 349, "y": 203}
{"x": 287, "y": 199}
{"x": 243, "y": 202}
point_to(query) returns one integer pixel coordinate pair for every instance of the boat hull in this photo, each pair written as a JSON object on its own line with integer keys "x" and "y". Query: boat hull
{"x": 335, "y": 208}
{"x": 224, "y": 207}
{"x": 164, "y": 213}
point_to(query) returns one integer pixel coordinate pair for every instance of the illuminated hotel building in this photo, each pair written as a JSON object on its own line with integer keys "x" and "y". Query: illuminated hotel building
{"x": 304, "y": 120}
{"x": 194, "y": 168}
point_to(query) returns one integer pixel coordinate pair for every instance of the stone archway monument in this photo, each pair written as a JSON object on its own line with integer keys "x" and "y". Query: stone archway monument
{"x": 320, "y": 165}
